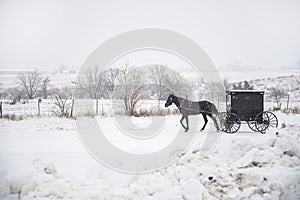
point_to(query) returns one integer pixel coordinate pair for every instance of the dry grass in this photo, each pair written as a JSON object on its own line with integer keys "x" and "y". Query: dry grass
{"x": 13, "y": 117}
{"x": 139, "y": 113}
{"x": 161, "y": 112}
{"x": 295, "y": 110}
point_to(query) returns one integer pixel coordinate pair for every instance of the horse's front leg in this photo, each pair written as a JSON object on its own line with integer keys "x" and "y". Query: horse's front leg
{"x": 205, "y": 121}
{"x": 187, "y": 123}
{"x": 181, "y": 122}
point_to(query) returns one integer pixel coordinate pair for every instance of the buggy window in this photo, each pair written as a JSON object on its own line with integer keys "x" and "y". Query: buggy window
{"x": 228, "y": 102}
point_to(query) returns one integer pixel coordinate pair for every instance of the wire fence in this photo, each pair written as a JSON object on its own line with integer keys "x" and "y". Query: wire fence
{"x": 92, "y": 107}
{"x": 81, "y": 107}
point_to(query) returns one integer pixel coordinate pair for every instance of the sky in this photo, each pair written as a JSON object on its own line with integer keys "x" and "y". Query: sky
{"x": 47, "y": 34}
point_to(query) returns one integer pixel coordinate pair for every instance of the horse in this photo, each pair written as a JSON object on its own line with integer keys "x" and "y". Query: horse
{"x": 187, "y": 108}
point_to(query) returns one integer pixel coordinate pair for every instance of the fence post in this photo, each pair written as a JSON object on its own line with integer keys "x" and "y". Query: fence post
{"x": 96, "y": 106}
{"x": 287, "y": 103}
{"x": 72, "y": 106}
{"x": 0, "y": 109}
{"x": 39, "y": 109}
{"x": 158, "y": 105}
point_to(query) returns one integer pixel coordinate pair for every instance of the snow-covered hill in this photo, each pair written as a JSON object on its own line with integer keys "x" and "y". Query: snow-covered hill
{"x": 290, "y": 84}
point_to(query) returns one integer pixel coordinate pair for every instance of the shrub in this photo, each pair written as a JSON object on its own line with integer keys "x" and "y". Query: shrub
{"x": 295, "y": 110}
{"x": 13, "y": 117}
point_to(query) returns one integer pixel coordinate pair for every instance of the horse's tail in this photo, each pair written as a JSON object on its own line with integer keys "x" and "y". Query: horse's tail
{"x": 214, "y": 110}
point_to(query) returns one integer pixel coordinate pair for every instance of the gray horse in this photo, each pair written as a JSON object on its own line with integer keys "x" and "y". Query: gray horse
{"x": 187, "y": 108}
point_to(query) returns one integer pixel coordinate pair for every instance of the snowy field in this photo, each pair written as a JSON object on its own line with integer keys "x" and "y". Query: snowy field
{"x": 42, "y": 158}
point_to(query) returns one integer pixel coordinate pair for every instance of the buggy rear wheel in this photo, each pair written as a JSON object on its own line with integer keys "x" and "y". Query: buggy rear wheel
{"x": 252, "y": 125}
{"x": 265, "y": 120}
{"x": 230, "y": 122}
{"x": 273, "y": 121}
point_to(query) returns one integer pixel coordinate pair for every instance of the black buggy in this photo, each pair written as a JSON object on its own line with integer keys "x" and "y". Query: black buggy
{"x": 246, "y": 106}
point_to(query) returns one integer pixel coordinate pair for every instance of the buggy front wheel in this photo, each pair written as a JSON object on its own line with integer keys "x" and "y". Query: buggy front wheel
{"x": 230, "y": 122}
{"x": 252, "y": 125}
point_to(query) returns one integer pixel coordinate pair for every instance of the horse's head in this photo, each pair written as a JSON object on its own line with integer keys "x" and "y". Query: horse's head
{"x": 170, "y": 100}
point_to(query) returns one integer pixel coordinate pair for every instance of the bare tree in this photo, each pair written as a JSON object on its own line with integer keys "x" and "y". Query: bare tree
{"x": 2, "y": 92}
{"x": 216, "y": 92}
{"x": 31, "y": 82}
{"x": 89, "y": 81}
{"x": 227, "y": 84}
{"x": 277, "y": 94}
{"x": 124, "y": 86}
{"x": 132, "y": 88}
{"x": 61, "y": 100}
{"x": 110, "y": 77}
{"x": 95, "y": 83}
{"x": 45, "y": 85}
{"x": 176, "y": 84}
{"x": 158, "y": 74}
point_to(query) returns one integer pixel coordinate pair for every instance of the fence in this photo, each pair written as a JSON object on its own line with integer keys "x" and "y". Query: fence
{"x": 81, "y": 107}
{"x": 91, "y": 107}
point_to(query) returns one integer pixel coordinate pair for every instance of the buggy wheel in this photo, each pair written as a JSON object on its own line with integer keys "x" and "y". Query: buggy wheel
{"x": 262, "y": 122}
{"x": 273, "y": 121}
{"x": 265, "y": 120}
{"x": 230, "y": 122}
{"x": 252, "y": 126}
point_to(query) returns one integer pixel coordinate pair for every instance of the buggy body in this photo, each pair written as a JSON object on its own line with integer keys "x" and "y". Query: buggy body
{"x": 246, "y": 106}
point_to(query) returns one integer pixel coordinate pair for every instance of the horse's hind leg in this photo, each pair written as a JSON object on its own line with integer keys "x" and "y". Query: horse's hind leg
{"x": 187, "y": 123}
{"x": 182, "y": 118}
{"x": 215, "y": 121}
{"x": 205, "y": 121}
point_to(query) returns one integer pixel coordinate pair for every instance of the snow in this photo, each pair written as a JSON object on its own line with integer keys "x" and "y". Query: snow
{"x": 43, "y": 158}
{"x": 241, "y": 75}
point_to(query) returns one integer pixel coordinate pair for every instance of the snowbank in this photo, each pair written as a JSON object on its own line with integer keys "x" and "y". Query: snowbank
{"x": 43, "y": 159}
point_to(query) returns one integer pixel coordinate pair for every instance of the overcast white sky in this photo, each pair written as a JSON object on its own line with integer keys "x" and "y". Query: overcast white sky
{"x": 47, "y": 34}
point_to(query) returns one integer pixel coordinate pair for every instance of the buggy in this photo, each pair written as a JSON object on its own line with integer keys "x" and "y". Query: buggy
{"x": 246, "y": 106}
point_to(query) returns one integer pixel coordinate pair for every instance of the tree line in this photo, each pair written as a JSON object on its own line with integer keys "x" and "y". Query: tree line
{"x": 127, "y": 83}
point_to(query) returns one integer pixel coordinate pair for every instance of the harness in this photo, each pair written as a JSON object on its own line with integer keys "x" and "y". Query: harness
{"x": 189, "y": 107}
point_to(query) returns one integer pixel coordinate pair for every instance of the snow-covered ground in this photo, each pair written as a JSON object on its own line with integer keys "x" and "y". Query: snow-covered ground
{"x": 43, "y": 158}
